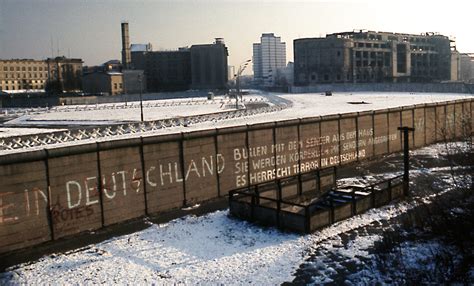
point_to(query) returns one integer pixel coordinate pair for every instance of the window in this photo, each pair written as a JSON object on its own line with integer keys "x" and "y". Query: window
{"x": 376, "y": 45}
{"x": 115, "y": 85}
{"x": 326, "y": 77}
{"x": 23, "y": 68}
{"x": 17, "y": 68}
{"x": 34, "y": 69}
{"x": 368, "y": 45}
{"x": 313, "y": 77}
{"x": 5, "y": 69}
{"x": 338, "y": 77}
{"x": 366, "y": 54}
{"x": 12, "y": 69}
{"x": 338, "y": 53}
{"x": 358, "y": 54}
{"x": 40, "y": 68}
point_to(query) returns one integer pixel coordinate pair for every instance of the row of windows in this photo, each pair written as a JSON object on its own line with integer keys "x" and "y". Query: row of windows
{"x": 421, "y": 48}
{"x": 371, "y": 55}
{"x": 372, "y": 64}
{"x": 23, "y": 75}
{"x": 327, "y": 78}
{"x": 370, "y": 45}
{"x": 117, "y": 85}
{"x": 23, "y": 81}
{"x": 16, "y": 87}
{"x": 23, "y": 68}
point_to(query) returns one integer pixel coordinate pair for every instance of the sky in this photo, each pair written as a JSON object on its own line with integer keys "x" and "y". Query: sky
{"x": 90, "y": 29}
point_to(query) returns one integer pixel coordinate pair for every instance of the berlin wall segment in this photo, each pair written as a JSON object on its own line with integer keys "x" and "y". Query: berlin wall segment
{"x": 40, "y": 202}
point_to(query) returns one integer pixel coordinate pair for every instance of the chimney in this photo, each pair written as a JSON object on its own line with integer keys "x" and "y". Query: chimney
{"x": 126, "y": 58}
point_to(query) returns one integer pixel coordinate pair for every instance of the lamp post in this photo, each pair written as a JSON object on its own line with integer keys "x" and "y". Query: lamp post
{"x": 242, "y": 67}
{"x": 141, "y": 100}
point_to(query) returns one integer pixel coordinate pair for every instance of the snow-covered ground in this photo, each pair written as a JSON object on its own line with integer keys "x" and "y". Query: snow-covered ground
{"x": 304, "y": 105}
{"x": 106, "y": 114}
{"x": 211, "y": 249}
{"x": 218, "y": 249}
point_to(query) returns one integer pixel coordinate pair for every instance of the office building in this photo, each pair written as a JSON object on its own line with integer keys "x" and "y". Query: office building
{"x": 164, "y": 70}
{"x": 58, "y": 74}
{"x": 64, "y": 74}
{"x": 367, "y": 56}
{"x": 268, "y": 57}
{"x": 110, "y": 83}
{"x": 23, "y": 74}
{"x": 209, "y": 68}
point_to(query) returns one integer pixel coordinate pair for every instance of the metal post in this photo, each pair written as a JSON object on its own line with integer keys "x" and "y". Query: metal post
{"x": 238, "y": 89}
{"x": 406, "y": 158}
{"x": 242, "y": 67}
{"x": 141, "y": 100}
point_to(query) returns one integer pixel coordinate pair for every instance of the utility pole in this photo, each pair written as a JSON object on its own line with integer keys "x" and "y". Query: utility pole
{"x": 406, "y": 159}
{"x": 242, "y": 67}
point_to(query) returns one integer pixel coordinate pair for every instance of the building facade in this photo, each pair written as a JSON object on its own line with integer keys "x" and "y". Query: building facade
{"x": 55, "y": 74}
{"x": 64, "y": 74}
{"x": 367, "y": 56}
{"x": 198, "y": 67}
{"x": 164, "y": 70}
{"x": 268, "y": 57}
{"x": 110, "y": 83}
{"x": 23, "y": 74}
{"x": 209, "y": 68}
{"x": 466, "y": 67}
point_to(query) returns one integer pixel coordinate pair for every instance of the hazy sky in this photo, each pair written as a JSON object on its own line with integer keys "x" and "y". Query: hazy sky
{"x": 91, "y": 29}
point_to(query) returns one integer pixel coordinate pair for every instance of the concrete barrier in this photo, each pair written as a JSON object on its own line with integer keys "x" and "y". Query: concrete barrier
{"x": 53, "y": 193}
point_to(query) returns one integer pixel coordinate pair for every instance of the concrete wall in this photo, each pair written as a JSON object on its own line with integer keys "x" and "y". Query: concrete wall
{"x": 49, "y": 194}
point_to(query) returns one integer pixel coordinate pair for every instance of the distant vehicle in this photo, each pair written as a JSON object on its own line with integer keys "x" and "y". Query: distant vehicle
{"x": 328, "y": 93}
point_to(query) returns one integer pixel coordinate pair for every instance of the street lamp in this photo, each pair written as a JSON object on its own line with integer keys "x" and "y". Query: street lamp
{"x": 141, "y": 100}
{"x": 242, "y": 67}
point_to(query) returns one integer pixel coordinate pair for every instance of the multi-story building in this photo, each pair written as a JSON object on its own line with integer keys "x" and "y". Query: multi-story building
{"x": 268, "y": 57}
{"x": 58, "y": 74}
{"x": 209, "y": 65}
{"x": 103, "y": 82}
{"x": 466, "y": 67}
{"x": 164, "y": 70}
{"x": 198, "y": 67}
{"x": 23, "y": 74}
{"x": 64, "y": 75}
{"x": 367, "y": 56}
